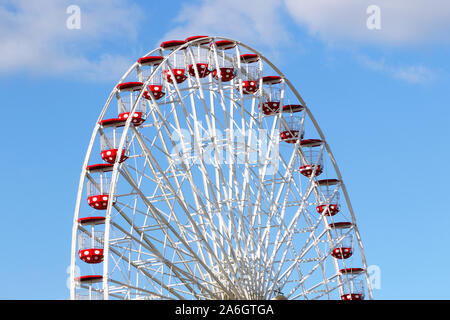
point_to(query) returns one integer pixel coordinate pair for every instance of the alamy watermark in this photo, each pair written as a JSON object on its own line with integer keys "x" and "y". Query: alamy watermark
{"x": 251, "y": 147}
{"x": 73, "y": 22}
{"x": 374, "y": 19}
{"x": 374, "y": 273}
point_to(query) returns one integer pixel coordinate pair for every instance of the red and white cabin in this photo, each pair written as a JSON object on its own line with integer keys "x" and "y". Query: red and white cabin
{"x": 110, "y": 139}
{"x": 344, "y": 240}
{"x": 198, "y": 62}
{"x": 328, "y": 203}
{"x": 312, "y": 161}
{"x": 98, "y": 185}
{"x": 175, "y": 71}
{"x": 271, "y": 95}
{"x": 90, "y": 246}
{"x": 251, "y": 72}
{"x": 353, "y": 285}
{"x": 127, "y": 94}
{"x": 344, "y": 249}
{"x": 149, "y": 68}
{"x": 176, "y": 68}
{"x": 291, "y": 129}
{"x": 223, "y": 69}
{"x": 353, "y": 289}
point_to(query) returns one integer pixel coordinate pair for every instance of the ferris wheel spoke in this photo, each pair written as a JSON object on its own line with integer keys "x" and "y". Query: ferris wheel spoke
{"x": 117, "y": 253}
{"x": 311, "y": 243}
{"x": 286, "y": 238}
{"x": 185, "y": 170}
{"x": 183, "y": 240}
{"x": 161, "y": 223}
{"x": 175, "y": 269}
{"x": 308, "y": 275}
{"x": 290, "y": 232}
{"x": 141, "y": 290}
{"x": 287, "y": 178}
{"x": 314, "y": 289}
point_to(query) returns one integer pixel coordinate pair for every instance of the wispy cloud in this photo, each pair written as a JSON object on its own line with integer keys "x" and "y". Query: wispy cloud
{"x": 251, "y": 21}
{"x": 403, "y": 22}
{"x": 34, "y": 38}
{"x": 416, "y": 74}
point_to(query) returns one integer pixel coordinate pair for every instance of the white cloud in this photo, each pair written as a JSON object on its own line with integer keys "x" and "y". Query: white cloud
{"x": 417, "y": 74}
{"x": 34, "y": 38}
{"x": 250, "y": 21}
{"x": 403, "y": 22}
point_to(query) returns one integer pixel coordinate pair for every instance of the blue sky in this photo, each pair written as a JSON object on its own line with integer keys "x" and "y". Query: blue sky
{"x": 380, "y": 96}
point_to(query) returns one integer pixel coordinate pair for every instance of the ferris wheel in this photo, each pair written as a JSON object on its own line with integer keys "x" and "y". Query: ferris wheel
{"x": 207, "y": 177}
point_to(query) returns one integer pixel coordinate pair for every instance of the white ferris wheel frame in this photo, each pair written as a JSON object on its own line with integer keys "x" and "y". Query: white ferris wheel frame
{"x": 129, "y": 127}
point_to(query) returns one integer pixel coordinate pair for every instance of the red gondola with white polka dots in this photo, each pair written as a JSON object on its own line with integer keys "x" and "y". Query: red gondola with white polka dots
{"x": 98, "y": 185}
{"x": 291, "y": 127}
{"x": 328, "y": 202}
{"x": 343, "y": 248}
{"x": 223, "y": 67}
{"x": 271, "y": 96}
{"x": 353, "y": 284}
{"x": 250, "y": 72}
{"x": 311, "y": 159}
{"x": 127, "y": 93}
{"x": 148, "y": 68}
{"x": 110, "y": 139}
{"x": 357, "y": 291}
{"x": 176, "y": 64}
{"x": 91, "y": 243}
{"x": 198, "y": 57}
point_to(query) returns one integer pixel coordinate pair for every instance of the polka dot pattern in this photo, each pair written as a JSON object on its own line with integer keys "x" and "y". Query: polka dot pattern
{"x": 328, "y": 209}
{"x": 225, "y": 74}
{"x": 307, "y": 170}
{"x": 178, "y": 73}
{"x": 156, "y": 91}
{"x": 290, "y": 136}
{"x": 110, "y": 155}
{"x": 352, "y": 296}
{"x": 202, "y": 69}
{"x": 270, "y": 107}
{"x": 249, "y": 87}
{"x": 99, "y": 202}
{"x": 342, "y": 253}
{"x": 91, "y": 255}
{"x": 137, "y": 118}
